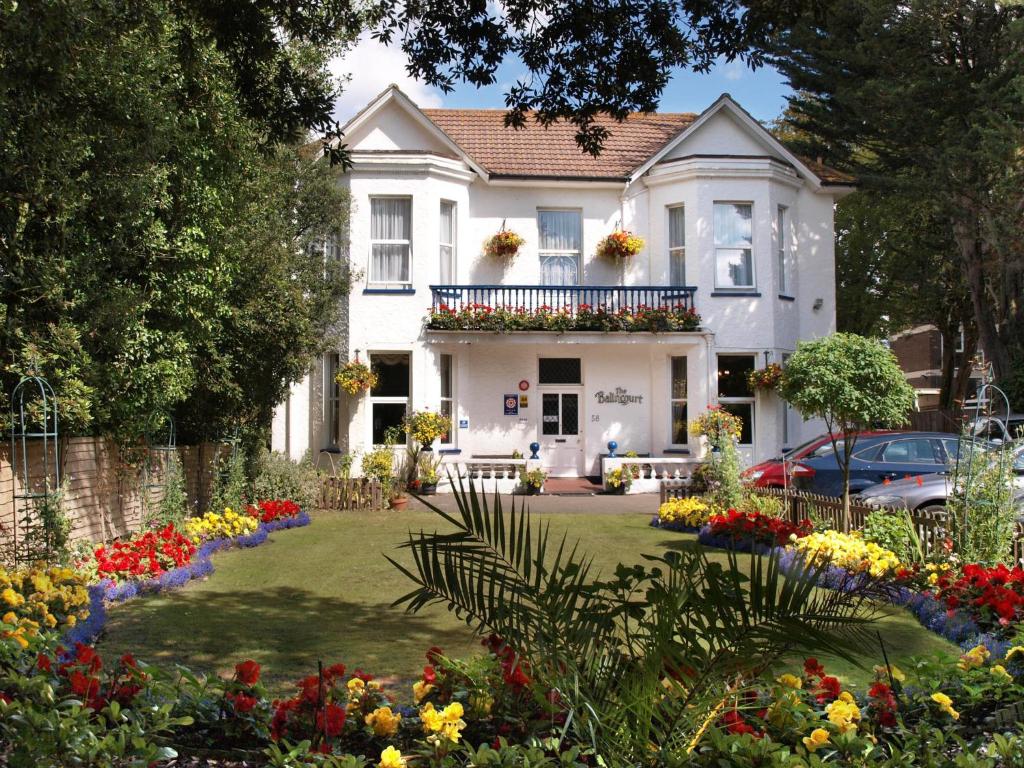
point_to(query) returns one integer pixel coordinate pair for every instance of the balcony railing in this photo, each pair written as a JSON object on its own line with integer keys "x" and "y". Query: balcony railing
{"x": 563, "y": 308}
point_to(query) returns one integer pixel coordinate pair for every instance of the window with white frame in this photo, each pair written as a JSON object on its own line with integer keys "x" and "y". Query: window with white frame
{"x": 447, "y": 242}
{"x": 391, "y": 241}
{"x": 332, "y": 404}
{"x": 676, "y": 245}
{"x": 448, "y": 397}
{"x": 677, "y": 400}
{"x": 734, "y": 392}
{"x": 734, "y": 246}
{"x": 389, "y": 398}
{"x": 782, "y": 240}
{"x": 560, "y": 246}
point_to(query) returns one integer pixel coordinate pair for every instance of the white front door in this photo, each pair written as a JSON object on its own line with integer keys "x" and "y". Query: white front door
{"x": 561, "y": 439}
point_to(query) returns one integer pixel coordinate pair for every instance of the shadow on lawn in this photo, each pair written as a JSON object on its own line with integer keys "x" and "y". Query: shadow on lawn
{"x": 285, "y": 629}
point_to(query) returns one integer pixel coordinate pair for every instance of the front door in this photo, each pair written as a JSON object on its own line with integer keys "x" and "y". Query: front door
{"x": 561, "y": 441}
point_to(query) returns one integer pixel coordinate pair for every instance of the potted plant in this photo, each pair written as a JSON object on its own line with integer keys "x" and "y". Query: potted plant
{"x": 356, "y": 377}
{"x": 533, "y": 481}
{"x": 504, "y": 244}
{"x": 423, "y": 428}
{"x": 427, "y": 474}
{"x": 634, "y": 469}
{"x": 620, "y": 245}
{"x": 765, "y": 379}
{"x": 619, "y": 480}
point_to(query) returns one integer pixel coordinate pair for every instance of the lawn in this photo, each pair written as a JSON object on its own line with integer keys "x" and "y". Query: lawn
{"x": 325, "y": 592}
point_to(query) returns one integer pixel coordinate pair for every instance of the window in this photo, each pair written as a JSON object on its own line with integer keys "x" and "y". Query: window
{"x": 332, "y": 397}
{"x": 560, "y": 370}
{"x": 389, "y": 400}
{"x": 734, "y": 263}
{"x": 561, "y": 413}
{"x": 734, "y": 393}
{"x": 677, "y": 396}
{"x": 677, "y": 245}
{"x": 782, "y": 241}
{"x": 447, "y": 242}
{"x": 560, "y": 247}
{"x": 916, "y": 451}
{"x": 447, "y": 397}
{"x": 391, "y": 241}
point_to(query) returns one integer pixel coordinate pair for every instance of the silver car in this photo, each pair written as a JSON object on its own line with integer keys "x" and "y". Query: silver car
{"x": 928, "y": 492}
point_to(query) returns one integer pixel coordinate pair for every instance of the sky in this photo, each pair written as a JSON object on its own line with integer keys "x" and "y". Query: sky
{"x": 372, "y": 67}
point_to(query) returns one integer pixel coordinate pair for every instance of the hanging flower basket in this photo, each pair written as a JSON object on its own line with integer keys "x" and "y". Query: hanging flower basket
{"x": 356, "y": 377}
{"x": 765, "y": 379}
{"x": 620, "y": 245}
{"x": 504, "y": 244}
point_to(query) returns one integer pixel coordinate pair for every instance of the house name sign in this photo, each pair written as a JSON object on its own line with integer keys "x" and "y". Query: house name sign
{"x": 620, "y": 396}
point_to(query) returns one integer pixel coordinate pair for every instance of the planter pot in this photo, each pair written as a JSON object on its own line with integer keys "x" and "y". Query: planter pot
{"x": 428, "y": 489}
{"x": 532, "y": 490}
{"x": 620, "y": 491}
{"x": 399, "y": 504}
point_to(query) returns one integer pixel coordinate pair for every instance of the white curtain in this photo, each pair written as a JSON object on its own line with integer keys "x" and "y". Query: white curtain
{"x": 447, "y": 241}
{"x": 677, "y": 245}
{"x": 733, "y": 241}
{"x": 560, "y": 231}
{"x": 390, "y": 220}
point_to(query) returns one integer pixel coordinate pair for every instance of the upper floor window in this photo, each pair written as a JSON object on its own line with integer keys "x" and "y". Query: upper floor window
{"x": 391, "y": 241}
{"x": 677, "y": 245}
{"x": 734, "y": 261}
{"x": 783, "y": 247}
{"x": 560, "y": 247}
{"x": 447, "y": 242}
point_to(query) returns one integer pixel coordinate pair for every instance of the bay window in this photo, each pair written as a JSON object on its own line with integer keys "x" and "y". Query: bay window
{"x": 734, "y": 246}
{"x": 391, "y": 242}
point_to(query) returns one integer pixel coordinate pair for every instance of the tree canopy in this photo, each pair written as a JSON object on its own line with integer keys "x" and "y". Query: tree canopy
{"x": 925, "y": 100}
{"x": 153, "y": 217}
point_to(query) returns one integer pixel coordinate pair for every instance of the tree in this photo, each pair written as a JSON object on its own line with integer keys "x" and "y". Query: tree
{"x": 852, "y": 383}
{"x": 927, "y": 98}
{"x": 151, "y": 220}
{"x": 584, "y": 57}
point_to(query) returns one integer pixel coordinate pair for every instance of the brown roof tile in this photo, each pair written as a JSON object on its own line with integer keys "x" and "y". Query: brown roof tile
{"x": 552, "y": 152}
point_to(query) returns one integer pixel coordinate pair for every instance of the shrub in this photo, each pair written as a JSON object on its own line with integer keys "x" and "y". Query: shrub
{"x": 278, "y": 477}
{"x": 893, "y": 531}
{"x": 173, "y": 507}
{"x": 982, "y": 515}
{"x": 230, "y": 487}
{"x": 769, "y": 506}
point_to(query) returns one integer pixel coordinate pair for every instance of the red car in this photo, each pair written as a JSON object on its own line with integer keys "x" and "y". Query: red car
{"x": 771, "y": 473}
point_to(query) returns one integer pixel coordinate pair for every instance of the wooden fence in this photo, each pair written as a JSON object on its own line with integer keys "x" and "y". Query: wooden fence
{"x": 931, "y": 526}
{"x": 351, "y": 493}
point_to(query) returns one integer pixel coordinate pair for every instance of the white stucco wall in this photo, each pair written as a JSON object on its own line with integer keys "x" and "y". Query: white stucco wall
{"x": 720, "y": 162}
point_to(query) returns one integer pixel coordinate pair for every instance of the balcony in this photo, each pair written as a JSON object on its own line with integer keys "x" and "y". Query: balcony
{"x": 607, "y": 308}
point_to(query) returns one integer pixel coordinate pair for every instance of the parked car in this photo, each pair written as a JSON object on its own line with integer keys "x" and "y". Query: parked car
{"x": 999, "y": 428}
{"x": 772, "y": 473}
{"x": 876, "y": 458}
{"x": 928, "y": 492}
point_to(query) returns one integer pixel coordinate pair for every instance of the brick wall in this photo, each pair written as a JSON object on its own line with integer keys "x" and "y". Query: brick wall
{"x": 105, "y": 498}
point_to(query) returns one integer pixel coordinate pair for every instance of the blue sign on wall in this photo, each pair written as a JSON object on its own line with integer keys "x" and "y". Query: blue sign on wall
{"x": 463, "y": 423}
{"x": 511, "y": 405}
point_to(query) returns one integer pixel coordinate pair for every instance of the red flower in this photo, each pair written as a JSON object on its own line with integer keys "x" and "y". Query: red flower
{"x": 429, "y": 676}
{"x": 243, "y": 702}
{"x": 829, "y": 688}
{"x": 247, "y": 672}
{"x": 330, "y": 720}
{"x": 43, "y": 663}
{"x": 813, "y": 668}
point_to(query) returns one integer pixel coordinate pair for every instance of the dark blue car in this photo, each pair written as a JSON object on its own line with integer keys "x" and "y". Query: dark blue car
{"x": 875, "y": 459}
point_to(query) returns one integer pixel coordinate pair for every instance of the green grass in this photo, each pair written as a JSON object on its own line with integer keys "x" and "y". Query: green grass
{"x": 325, "y": 591}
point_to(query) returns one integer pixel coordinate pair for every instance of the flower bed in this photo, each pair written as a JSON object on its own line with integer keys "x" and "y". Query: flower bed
{"x": 277, "y": 509}
{"x": 849, "y": 551}
{"x": 751, "y": 531}
{"x": 145, "y": 555}
{"x": 40, "y": 599}
{"x": 683, "y": 515}
{"x": 226, "y": 525}
{"x": 994, "y": 596}
{"x": 583, "y": 317}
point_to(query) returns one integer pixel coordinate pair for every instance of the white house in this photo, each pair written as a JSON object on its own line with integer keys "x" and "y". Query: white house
{"x": 734, "y": 224}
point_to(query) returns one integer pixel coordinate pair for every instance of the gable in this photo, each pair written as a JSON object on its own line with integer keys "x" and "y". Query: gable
{"x": 720, "y": 135}
{"x": 392, "y": 128}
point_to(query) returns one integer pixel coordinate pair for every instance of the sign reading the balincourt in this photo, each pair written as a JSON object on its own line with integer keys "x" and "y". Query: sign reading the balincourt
{"x": 620, "y": 396}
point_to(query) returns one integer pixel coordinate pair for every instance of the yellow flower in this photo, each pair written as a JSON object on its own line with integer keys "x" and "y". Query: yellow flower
{"x": 790, "y": 681}
{"x": 12, "y": 598}
{"x": 356, "y": 685}
{"x": 10, "y": 618}
{"x": 391, "y": 758}
{"x": 819, "y": 737}
{"x": 433, "y": 721}
{"x": 383, "y": 721}
{"x": 420, "y": 690}
{"x": 946, "y": 705}
{"x": 843, "y": 713}
{"x": 1017, "y": 650}
{"x": 975, "y": 657}
{"x": 999, "y": 673}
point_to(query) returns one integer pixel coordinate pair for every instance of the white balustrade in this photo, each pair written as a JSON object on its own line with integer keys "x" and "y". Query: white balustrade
{"x": 488, "y": 474}
{"x": 649, "y": 471}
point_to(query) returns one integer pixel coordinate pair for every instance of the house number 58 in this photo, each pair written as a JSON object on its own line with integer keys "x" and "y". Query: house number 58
{"x": 594, "y": 417}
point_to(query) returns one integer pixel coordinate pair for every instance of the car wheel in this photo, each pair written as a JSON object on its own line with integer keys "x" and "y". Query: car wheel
{"x": 932, "y": 507}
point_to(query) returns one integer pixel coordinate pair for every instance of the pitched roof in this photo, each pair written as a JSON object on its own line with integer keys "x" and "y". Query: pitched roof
{"x": 552, "y": 152}
{"x": 826, "y": 174}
